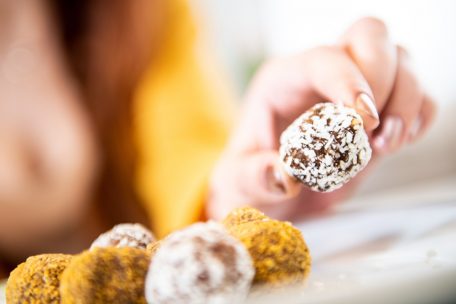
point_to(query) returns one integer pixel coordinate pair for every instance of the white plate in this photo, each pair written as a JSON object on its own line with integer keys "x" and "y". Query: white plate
{"x": 381, "y": 255}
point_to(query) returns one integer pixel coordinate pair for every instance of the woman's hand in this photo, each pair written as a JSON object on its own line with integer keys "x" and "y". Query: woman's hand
{"x": 366, "y": 71}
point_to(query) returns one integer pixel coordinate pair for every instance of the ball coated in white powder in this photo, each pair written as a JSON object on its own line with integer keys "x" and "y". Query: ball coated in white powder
{"x": 200, "y": 264}
{"x": 325, "y": 147}
{"x": 125, "y": 235}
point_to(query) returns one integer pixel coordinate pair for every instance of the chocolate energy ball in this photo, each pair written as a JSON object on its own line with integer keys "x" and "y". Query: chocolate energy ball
{"x": 243, "y": 215}
{"x": 325, "y": 147}
{"x": 200, "y": 264}
{"x": 106, "y": 275}
{"x": 278, "y": 251}
{"x": 37, "y": 280}
{"x": 125, "y": 235}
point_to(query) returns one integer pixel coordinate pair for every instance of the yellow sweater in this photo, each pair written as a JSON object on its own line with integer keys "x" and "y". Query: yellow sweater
{"x": 183, "y": 114}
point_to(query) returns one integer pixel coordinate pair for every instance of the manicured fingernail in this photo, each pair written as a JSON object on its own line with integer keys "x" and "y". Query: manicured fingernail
{"x": 391, "y": 134}
{"x": 415, "y": 129}
{"x": 396, "y": 139}
{"x": 274, "y": 180}
{"x": 382, "y": 140}
{"x": 380, "y": 143}
{"x": 365, "y": 106}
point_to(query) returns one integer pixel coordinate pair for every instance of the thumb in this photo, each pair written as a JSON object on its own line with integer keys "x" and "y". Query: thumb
{"x": 261, "y": 178}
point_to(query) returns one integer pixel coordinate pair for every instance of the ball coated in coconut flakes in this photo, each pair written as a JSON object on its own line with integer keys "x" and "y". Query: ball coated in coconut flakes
{"x": 125, "y": 235}
{"x": 200, "y": 264}
{"x": 325, "y": 147}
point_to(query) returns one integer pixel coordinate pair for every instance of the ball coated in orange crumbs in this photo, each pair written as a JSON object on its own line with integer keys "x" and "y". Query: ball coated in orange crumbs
{"x": 279, "y": 252}
{"x": 37, "y": 280}
{"x": 243, "y": 215}
{"x": 106, "y": 275}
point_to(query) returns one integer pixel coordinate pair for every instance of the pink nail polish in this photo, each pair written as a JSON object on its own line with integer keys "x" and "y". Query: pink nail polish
{"x": 380, "y": 143}
{"x": 391, "y": 133}
{"x": 396, "y": 139}
{"x": 365, "y": 106}
{"x": 388, "y": 129}
{"x": 415, "y": 129}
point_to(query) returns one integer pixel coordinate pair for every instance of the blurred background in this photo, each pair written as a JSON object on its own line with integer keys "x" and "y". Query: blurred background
{"x": 245, "y": 32}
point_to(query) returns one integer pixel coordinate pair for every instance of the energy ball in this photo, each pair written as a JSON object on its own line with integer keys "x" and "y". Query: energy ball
{"x": 153, "y": 247}
{"x": 125, "y": 235}
{"x": 106, "y": 275}
{"x": 243, "y": 215}
{"x": 37, "y": 280}
{"x": 325, "y": 147}
{"x": 278, "y": 250}
{"x": 200, "y": 264}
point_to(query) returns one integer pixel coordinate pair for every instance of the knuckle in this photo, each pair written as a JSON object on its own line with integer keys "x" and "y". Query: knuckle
{"x": 373, "y": 24}
{"x": 429, "y": 106}
{"x": 325, "y": 49}
{"x": 402, "y": 52}
{"x": 324, "y": 52}
{"x": 269, "y": 66}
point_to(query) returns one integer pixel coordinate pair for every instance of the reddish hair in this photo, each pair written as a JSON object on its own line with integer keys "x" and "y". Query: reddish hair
{"x": 108, "y": 45}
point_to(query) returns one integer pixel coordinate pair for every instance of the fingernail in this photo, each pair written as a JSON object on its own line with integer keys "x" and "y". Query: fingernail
{"x": 415, "y": 129}
{"x": 391, "y": 134}
{"x": 396, "y": 138}
{"x": 275, "y": 181}
{"x": 380, "y": 142}
{"x": 366, "y": 107}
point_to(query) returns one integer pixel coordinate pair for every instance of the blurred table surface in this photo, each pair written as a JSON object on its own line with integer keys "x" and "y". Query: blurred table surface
{"x": 398, "y": 246}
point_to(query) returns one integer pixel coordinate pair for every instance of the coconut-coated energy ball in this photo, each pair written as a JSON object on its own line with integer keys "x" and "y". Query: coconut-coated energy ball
{"x": 125, "y": 235}
{"x": 278, "y": 250}
{"x": 243, "y": 215}
{"x": 37, "y": 280}
{"x": 106, "y": 275}
{"x": 325, "y": 147}
{"x": 200, "y": 264}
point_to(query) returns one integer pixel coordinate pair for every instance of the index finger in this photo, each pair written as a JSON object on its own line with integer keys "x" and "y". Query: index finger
{"x": 367, "y": 43}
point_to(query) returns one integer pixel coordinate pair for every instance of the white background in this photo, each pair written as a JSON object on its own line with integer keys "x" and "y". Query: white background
{"x": 241, "y": 30}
